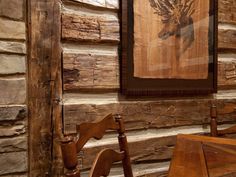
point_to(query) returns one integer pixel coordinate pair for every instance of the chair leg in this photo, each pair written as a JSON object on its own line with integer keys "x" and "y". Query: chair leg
{"x": 69, "y": 154}
{"x": 124, "y": 147}
{"x": 214, "y": 131}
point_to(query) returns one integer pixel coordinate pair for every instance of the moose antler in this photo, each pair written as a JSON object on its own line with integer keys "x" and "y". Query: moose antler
{"x": 173, "y": 9}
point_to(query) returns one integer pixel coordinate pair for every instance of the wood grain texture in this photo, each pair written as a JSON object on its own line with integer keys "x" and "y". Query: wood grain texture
{"x": 90, "y": 71}
{"x": 43, "y": 74}
{"x": 12, "y": 9}
{"x": 12, "y": 47}
{"x": 141, "y": 170}
{"x": 13, "y": 162}
{"x": 15, "y": 144}
{"x": 227, "y": 11}
{"x": 13, "y": 91}
{"x": 188, "y": 159}
{"x": 12, "y": 29}
{"x": 12, "y": 64}
{"x": 153, "y": 114}
{"x": 160, "y": 51}
{"x": 226, "y": 74}
{"x": 12, "y": 113}
{"x": 89, "y": 28}
{"x": 109, "y": 4}
{"x": 227, "y": 39}
{"x": 158, "y": 149}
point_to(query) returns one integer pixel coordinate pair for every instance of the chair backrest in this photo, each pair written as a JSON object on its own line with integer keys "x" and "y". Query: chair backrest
{"x": 214, "y": 129}
{"x": 101, "y": 167}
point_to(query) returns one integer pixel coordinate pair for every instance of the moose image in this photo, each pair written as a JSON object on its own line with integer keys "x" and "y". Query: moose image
{"x": 171, "y": 39}
{"x": 177, "y": 20}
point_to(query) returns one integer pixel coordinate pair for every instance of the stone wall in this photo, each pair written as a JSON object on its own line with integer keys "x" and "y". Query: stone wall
{"x": 13, "y": 121}
{"x": 90, "y": 40}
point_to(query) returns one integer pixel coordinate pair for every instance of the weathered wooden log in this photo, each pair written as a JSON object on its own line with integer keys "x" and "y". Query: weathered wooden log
{"x": 12, "y": 29}
{"x": 12, "y": 64}
{"x": 89, "y": 71}
{"x": 15, "y": 130}
{"x": 109, "y": 4}
{"x": 227, "y": 11}
{"x": 158, "y": 149}
{"x": 44, "y": 87}
{"x": 14, "y": 144}
{"x": 13, "y": 91}
{"x": 12, "y": 113}
{"x": 141, "y": 170}
{"x": 90, "y": 28}
{"x": 227, "y": 39}
{"x": 12, "y": 47}
{"x": 227, "y": 71}
{"x": 12, "y": 9}
{"x": 13, "y": 162}
{"x": 149, "y": 114}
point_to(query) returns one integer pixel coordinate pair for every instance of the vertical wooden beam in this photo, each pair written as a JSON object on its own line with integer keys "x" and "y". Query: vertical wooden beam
{"x": 44, "y": 84}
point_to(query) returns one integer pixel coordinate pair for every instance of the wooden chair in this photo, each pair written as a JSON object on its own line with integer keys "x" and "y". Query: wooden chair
{"x": 101, "y": 167}
{"x": 214, "y": 130}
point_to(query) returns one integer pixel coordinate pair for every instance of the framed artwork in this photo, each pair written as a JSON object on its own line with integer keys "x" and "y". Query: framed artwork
{"x": 169, "y": 47}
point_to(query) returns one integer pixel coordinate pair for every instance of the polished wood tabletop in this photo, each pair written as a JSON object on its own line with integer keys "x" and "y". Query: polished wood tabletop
{"x": 202, "y": 156}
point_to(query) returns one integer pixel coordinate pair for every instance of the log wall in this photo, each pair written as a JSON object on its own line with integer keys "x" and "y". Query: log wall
{"x": 90, "y": 39}
{"x": 13, "y": 110}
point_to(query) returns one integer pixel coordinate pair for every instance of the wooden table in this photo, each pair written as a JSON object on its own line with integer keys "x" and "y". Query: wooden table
{"x": 202, "y": 156}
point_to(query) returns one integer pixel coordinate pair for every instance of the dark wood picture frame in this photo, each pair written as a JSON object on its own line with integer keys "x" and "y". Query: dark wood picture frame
{"x": 133, "y": 86}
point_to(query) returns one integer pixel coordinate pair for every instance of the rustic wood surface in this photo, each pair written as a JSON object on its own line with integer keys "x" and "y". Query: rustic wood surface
{"x": 43, "y": 84}
{"x": 227, "y": 12}
{"x": 13, "y": 109}
{"x": 13, "y": 91}
{"x": 153, "y": 114}
{"x": 77, "y": 73}
{"x": 12, "y": 9}
{"x": 227, "y": 39}
{"x": 18, "y": 162}
{"x": 12, "y": 29}
{"x": 203, "y": 156}
{"x": 226, "y": 71}
{"x": 84, "y": 70}
{"x": 139, "y": 114}
{"x": 90, "y": 28}
{"x": 110, "y": 4}
{"x": 12, "y": 47}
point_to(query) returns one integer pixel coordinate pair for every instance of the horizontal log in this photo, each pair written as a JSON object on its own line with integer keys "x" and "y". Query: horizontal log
{"x": 12, "y": 47}
{"x": 90, "y": 28}
{"x": 12, "y": 113}
{"x": 13, "y": 91}
{"x": 227, "y": 39}
{"x": 227, "y": 11}
{"x": 12, "y": 64}
{"x": 12, "y": 29}
{"x": 12, "y": 9}
{"x": 140, "y": 170}
{"x": 13, "y": 162}
{"x": 16, "y": 175}
{"x": 14, "y": 144}
{"x": 226, "y": 71}
{"x": 12, "y": 130}
{"x": 158, "y": 149}
{"x": 150, "y": 114}
{"x": 86, "y": 71}
{"x": 110, "y": 4}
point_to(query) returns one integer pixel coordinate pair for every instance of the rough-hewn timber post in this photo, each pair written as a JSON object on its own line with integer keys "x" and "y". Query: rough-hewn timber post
{"x": 44, "y": 85}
